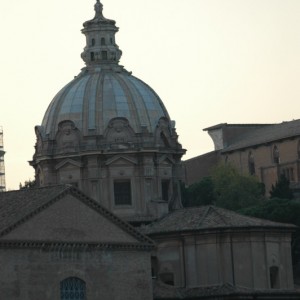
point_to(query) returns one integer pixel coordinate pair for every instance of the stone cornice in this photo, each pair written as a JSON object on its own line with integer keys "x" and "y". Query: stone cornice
{"x": 73, "y": 246}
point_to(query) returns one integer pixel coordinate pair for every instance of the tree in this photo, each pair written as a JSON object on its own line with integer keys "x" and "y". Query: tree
{"x": 28, "y": 184}
{"x": 235, "y": 191}
{"x": 277, "y": 210}
{"x": 225, "y": 188}
{"x": 281, "y": 189}
{"x": 200, "y": 193}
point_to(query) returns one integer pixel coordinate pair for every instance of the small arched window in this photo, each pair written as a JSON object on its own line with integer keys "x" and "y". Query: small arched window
{"x": 276, "y": 156}
{"x": 72, "y": 288}
{"x": 93, "y": 42}
{"x": 103, "y": 41}
{"x": 251, "y": 163}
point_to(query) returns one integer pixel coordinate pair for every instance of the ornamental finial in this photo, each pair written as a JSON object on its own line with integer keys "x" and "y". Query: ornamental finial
{"x": 98, "y": 8}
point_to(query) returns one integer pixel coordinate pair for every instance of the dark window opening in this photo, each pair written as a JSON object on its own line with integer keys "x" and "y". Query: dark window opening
{"x": 167, "y": 278}
{"x": 72, "y": 288}
{"x": 93, "y": 42}
{"x": 165, "y": 190}
{"x": 92, "y": 56}
{"x": 122, "y": 192}
{"x": 276, "y": 157}
{"x": 104, "y": 55}
{"x": 154, "y": 266}
{"x": 251, "y": 164}
{"x": 274, "y": 278}
{"x": 103, "y": 41}
{"x": 251, "y": 168}
{"x": 111, "y": 41}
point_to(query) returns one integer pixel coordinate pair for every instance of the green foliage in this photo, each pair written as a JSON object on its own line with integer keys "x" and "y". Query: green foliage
{"x": 281, "y": 189}
{"x": 276, "y": 209}
{"x": 235, "y": 191}
{"x": 200, "y": 193}
{"x": 28, "y": 184}
{"x": 225, "y": 188}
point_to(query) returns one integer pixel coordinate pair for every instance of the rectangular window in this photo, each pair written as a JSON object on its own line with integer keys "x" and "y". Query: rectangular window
{"x": 122, "y": 192}
{"x": 104, "y": 55}
{"x": 165, "y": 190}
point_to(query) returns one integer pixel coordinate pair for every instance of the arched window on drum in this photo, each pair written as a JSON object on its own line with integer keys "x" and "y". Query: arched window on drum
{"x": 72, "y": 288}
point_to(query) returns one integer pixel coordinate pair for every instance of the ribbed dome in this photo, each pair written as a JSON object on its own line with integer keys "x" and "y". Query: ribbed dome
{"x": 92, "y": 99}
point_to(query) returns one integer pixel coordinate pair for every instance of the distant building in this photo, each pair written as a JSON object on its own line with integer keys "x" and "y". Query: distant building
{"x": 262, "y": 150}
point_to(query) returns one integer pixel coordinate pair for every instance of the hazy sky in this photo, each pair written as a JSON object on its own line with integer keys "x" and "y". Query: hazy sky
{"x": 211, "y": 61}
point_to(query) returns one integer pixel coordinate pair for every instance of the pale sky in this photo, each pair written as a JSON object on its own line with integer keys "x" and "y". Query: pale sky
{"x": 210, "y": 61}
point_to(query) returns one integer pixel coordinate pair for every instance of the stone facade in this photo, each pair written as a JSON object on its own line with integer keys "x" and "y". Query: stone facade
{"x": 244, "y": 259}
{"x": 67, "y": 236}
{"x": 210, "y": 246}
{"x": 30, "y": 273}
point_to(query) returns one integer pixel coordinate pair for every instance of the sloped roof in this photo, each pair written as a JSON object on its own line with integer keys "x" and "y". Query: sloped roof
{"x": 16, "y": 207}
{"x": 167, "y": 292}
{"x": 222, "y": 125}
{"x": 208, "y": 218}
{"x": 266, "y": 134}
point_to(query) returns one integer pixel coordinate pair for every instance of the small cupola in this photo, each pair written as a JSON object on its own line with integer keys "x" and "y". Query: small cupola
{"x": 100, "y": 48}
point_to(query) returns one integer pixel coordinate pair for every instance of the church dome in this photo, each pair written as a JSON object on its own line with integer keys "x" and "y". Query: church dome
{"x": 97, "y": 96}
{"x": 109, "y": 134}
{"x": 104, "y": 90}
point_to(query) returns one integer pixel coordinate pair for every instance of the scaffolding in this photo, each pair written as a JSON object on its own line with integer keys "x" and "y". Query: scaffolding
{"x": 2, "y": 166}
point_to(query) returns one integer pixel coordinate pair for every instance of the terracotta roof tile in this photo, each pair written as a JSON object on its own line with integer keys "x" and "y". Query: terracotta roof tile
{"x": 16, "y": 205}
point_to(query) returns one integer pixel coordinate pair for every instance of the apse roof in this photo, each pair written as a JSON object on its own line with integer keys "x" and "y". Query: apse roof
{"x": 207, "y": 218}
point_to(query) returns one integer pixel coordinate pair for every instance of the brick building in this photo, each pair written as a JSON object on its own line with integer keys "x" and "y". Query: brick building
{"x": 262, "y": 150}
